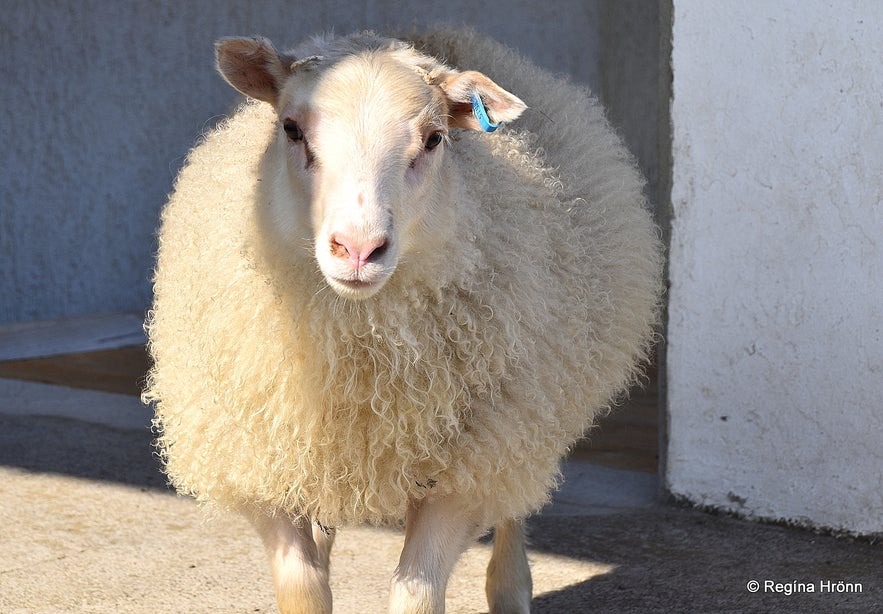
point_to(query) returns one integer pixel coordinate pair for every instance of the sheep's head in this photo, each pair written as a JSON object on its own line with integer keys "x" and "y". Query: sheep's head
{"x": 363, "y": 135}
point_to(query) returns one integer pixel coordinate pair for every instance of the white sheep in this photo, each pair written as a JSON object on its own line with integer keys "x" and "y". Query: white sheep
{"x": 369, "y": 309}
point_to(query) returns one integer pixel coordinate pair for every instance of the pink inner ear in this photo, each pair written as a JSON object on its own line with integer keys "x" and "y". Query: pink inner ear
{"x": 461, "y": 109}
{"x": 258, "y": 78}
{"x": 462, "y": 116}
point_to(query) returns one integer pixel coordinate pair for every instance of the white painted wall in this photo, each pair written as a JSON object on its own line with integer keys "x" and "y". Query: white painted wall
{"x": 102, "y": 99}
{"x": 775, "y": 348}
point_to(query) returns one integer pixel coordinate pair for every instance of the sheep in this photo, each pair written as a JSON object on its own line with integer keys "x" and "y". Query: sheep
{"x": 373, "y": 306}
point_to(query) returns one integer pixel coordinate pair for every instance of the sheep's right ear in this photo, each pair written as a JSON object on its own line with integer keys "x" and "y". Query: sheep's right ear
{"x": 253, "y": 66}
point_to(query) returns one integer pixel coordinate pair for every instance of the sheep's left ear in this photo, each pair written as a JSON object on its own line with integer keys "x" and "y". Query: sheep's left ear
{"x": 500, "y": 105}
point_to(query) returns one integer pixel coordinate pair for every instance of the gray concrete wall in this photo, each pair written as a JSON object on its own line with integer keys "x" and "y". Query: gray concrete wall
{"x": 104, "y": 98}
{"x": 629, "y": 63}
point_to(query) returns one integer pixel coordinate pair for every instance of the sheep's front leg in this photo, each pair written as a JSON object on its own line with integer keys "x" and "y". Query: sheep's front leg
{"x": 299, "y": 553}
{"x": 509, "y": 585}
{"x": 437, "y": 532}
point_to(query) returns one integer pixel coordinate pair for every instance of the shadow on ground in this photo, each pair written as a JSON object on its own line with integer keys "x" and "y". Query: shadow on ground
{"x": 664, "y": 558}
{"x": 83, "y": 450}
{"x": 670, "y": 559}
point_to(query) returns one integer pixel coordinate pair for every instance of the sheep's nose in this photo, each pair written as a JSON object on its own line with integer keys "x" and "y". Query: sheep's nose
{"x": 358, "y": 251}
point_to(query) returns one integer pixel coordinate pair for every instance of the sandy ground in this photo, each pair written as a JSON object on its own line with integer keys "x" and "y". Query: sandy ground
{"x": 90, "y": 527}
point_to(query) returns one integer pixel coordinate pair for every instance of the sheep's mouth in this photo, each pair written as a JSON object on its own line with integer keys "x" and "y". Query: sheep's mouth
{"x": 357, "y": 281}
{"x": 357, "y": 288}
{"x": 355, "y": 284}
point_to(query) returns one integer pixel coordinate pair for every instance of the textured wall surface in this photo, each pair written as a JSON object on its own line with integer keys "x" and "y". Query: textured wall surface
{"x": 775, "y": 348}
{"x": 103, "y": 100}
{"x": 630, "y": 47}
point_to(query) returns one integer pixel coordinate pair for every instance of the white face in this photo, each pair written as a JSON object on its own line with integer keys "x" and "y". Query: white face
{"x": 361, "y": 142}
{"x": 364, "y": 141}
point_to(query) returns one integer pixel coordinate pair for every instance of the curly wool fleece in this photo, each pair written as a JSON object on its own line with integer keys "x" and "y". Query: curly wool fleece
{"x": 472, "y": 371}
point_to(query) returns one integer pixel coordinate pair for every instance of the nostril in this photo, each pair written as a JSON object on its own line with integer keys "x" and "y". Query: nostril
{"x": 377, "y": 252}
{"x": 339, "y": 248}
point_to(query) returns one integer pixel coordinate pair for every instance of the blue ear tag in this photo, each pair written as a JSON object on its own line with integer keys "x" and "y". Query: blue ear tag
{"x": 481, "y": 114}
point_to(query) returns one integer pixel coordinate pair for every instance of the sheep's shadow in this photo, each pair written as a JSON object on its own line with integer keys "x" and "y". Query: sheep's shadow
{"x": 663, "y": 558}
{"x": 79, "y": 449}
{"x": 673, "y": 559}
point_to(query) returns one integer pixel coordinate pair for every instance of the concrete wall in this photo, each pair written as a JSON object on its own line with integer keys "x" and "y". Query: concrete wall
{"x": 103, "y": 100}
{"x": 630, "y": 50}
{"x": 775, "y": 349}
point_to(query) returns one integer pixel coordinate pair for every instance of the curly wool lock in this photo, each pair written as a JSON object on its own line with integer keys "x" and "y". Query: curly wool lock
{"x": 471, "y": 371}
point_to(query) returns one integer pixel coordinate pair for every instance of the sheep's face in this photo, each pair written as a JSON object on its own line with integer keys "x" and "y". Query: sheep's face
{"x": 363, "y": 137}
{"x": 366, "y": 142}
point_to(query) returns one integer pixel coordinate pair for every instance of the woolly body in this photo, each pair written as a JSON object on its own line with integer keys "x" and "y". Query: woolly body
{"x": 471, "y": 371}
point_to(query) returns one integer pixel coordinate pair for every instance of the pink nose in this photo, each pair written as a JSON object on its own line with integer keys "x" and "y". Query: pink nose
{"x": 358, "y": 251}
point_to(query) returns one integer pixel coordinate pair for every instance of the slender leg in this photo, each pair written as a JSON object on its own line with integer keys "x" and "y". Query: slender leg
{"x": 509, "y": 585}
{"x": 300, "y": 563}
{"x": 324, "y": 538}
{"x": 437, "y": 532}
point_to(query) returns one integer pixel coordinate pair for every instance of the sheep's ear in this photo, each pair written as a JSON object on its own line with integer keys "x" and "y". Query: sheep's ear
{"x": 253, "y": 66}
{"x": 500, "y": 105}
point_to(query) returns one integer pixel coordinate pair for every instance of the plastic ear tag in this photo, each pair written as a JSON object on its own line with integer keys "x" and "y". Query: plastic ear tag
{"x": 481, "y": 114}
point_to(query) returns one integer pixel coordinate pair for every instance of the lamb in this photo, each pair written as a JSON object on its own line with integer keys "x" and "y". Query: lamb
{"x": 371, "y": 305}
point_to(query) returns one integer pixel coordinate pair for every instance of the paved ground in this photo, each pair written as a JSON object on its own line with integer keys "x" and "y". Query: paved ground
{"x": 88, "y": 526}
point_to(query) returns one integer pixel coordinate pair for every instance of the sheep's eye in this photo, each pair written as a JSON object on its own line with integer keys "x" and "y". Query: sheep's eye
{"x": 293, "y": 131}
{"x": 433, "y": 140}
